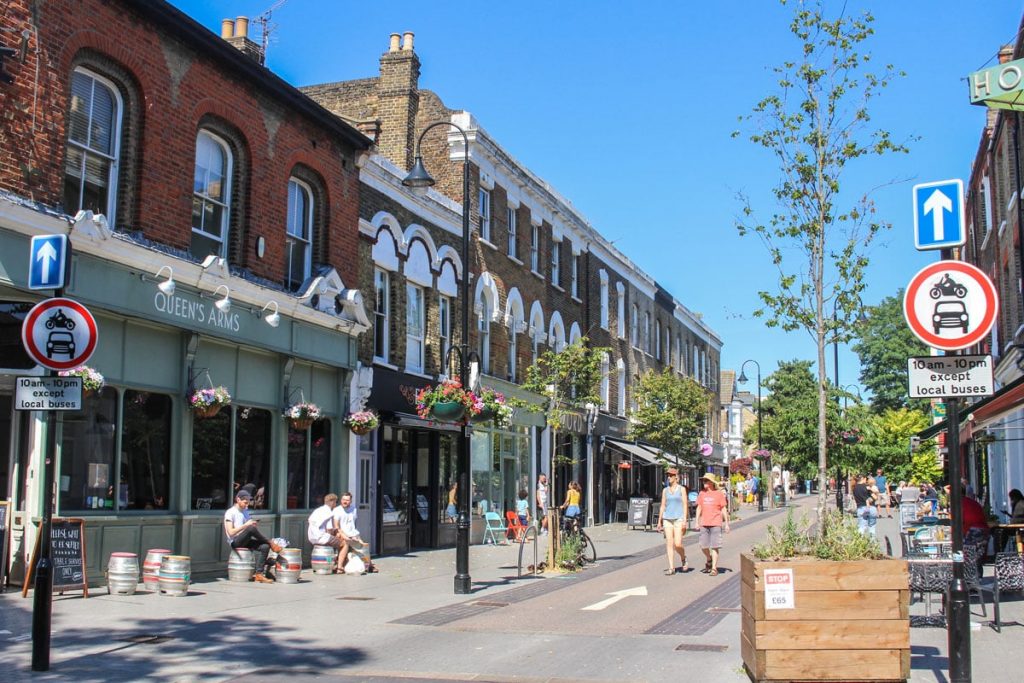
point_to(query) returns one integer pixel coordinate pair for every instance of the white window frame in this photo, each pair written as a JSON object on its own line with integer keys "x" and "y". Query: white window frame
{"x": 621, "y": 371}
{"x": 575, "y": 289}
{"x": 535, "y": 248}
{"x": 606, "y": 398}
{"x": 412, "y": 341}
{"x": 513, "y": 347}
{"x": 484, "y": 207}
{"x": 484, "y": 347}
{"x": 297, "y": 187}
{"x": 556, "y": 262}
{"x": 604, "y": 300}
{"x": 657, "y": 339}
{"x": 513, "y": 229}
{"x": 381, "y": 315}
{"x": 634, "y": 326}
{"x": 444, "y": 329}
{"x": 621, "y": 310}
{"x": 647, "y": 332}
{"x": 226, "y": 203}
{"x": 115, "y": 134}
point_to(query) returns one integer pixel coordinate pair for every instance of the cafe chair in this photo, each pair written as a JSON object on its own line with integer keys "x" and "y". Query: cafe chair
{"x": 622, "y": 508}
{"x": 515, "y": 529}
{"x": 494, "y": 528}
{"x": 1009, "y": 576}
{"x": 973, "y": 553}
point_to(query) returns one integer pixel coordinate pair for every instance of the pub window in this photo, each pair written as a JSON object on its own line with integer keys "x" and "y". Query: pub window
{"x": 239, "y": 435}
{"x": 211, "y": 192}
{"x": 299, "y": 239}
{"x": 309, "y": 458}
{"x": 94, "y": 136}
{"x": 88, "y": 478}
{"x": 145, "y": 451}
{"x": 252, "y": 455}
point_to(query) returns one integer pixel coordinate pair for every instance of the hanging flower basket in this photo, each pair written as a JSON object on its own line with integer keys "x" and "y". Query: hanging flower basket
{"x": 852, "y": 436}
{"x": 762, "y": 455}
{"x": 448, "y": 401}
{"x": 301, "y": 416}
{"x": 92, "y": 381}
{"x": 486, "y": 414}
{"x": 207, "y": 402}
{"x": 493, "y": 407}
{"x": 362, "y": 422}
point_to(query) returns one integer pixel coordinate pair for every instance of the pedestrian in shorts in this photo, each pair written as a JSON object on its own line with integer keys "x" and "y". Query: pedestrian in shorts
{"x": 713, "y": 518}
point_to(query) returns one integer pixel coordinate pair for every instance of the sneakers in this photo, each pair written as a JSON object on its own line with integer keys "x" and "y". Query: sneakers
{"x": 262, "y": 578}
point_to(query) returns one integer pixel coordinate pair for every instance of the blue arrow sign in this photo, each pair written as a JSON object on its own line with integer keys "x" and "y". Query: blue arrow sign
{"x": 939, "y": 215}
{"x": 47, "y": 260}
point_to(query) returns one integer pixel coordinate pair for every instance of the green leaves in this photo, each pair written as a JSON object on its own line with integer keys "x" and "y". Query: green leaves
{"x": 884, "y": 343}
{"x": 570, "y": 378}
{"x": 671, "y": 413}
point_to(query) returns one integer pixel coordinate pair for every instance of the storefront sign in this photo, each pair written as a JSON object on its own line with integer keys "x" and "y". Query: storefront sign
{"x": 196, "y": 312}
{"x": 941, "y": 376}
{"x": 999, "y": 87}
{"x": 48, "y": 393}
{"x": 778, "y": 589}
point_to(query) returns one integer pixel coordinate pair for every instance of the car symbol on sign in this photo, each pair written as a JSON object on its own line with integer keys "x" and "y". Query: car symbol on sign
{"x": 62, "y": 343}
{"x": 950, "y": 314}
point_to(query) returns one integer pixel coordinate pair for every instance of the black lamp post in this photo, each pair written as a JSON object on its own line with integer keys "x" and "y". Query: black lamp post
{"x": 760, "y": 463}
{"x": 418, "y": 178}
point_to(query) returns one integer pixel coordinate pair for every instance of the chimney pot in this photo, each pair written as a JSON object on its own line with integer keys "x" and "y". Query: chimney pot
{"x": 395, "y": 38}
{"x": 242, "y": 27}
{"x": 407, "y": 41}
{"x": 227, "y": 28}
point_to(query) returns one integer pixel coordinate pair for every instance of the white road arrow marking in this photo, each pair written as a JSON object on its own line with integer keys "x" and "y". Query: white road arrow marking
{"x": 616, "y": 596}
{"x": 937, "y": 204}
{"x": 46, "y": 254}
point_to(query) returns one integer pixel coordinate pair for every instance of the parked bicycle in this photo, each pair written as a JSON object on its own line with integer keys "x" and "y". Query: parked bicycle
{"x": 587, "y": 551}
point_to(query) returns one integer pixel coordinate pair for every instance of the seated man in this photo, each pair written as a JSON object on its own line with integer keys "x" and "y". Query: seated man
{"x": 241, "y": 532}
{"x": 320, "y": 525}
{"x": 348, "y": 535}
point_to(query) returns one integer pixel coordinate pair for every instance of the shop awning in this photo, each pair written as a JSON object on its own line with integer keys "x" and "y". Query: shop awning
{"x": 985, "y": 411}
{"x": 632, "y": 449}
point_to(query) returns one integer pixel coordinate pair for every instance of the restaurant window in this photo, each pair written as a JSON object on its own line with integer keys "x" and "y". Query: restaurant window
{"x": 394, "y": 477}
{"x": 239, "y": 435}
{"x": 309, "y": 458}
{"x": 211, "y": 192}
{"x": 145, "y": 451}
{"x": 88, "y": 478}
{"x": 252, "y": 455}
{"x": 299, "y": 234}
{"x": 94, "y": 132}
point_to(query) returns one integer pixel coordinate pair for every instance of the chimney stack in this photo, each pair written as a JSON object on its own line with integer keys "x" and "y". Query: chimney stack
{"x": 236, "y": 32}
{"x": 227, "y": 28}
{"x": 398, "y": 100}
{"x": 242, "y": 27}
{"x": 1005, "y": 53}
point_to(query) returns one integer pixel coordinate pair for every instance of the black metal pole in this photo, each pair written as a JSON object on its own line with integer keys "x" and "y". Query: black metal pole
{"x": 463, "y": 582}
{"x": 760, "y": 461}
{"x": 959, "y": 626}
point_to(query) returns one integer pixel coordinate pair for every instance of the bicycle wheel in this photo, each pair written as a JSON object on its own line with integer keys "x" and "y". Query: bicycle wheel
{"x": 587, "y": 549}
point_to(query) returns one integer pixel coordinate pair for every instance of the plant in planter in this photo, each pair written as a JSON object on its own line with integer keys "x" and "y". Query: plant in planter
{"x": 208, "y": 401}
{"x": 849, "y": 614}
{"x": 493, "y": 406}
{"x": 362, "y": 422}
{"x": 852, "y": 436}
{"x": 447, "y": 401}
{"x": 92, "y": 381}
{"x": 303, "y": 415}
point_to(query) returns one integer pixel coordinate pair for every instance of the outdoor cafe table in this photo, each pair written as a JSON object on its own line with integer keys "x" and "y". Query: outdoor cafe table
{"x": 1002, "y": 531}
{"x": 929, "y": 575}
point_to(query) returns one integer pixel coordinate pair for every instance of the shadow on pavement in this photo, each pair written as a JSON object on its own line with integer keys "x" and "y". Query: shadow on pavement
{"x": 926, "y": 658}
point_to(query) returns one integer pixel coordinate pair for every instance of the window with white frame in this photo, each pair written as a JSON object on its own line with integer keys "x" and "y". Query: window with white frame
{"x": 513, "y": 334}
{"x": 556, "y": 261}
{"x": 535, "y": 248}
{"x": 484, "y": 207}
{"x": 667, "y": 348}
{"x": 604, "y": 299}
{"x": 657, "y": 339}
{"x": 381, "y": 314}
{"x": 621, "y": 371}
{"x": 620, "y": 310}
{"x": 696, "y": 363}
{"x": 211, "y": 193}
{"x": 647, "y": 332}
{"x": 444, "y": 328}
{"x": 513, "y": 228}
{"x": 575, "y": 289}
{"x": 299, "y": 235}
{"x": 606, "y": 399}
{"x": 94, "y": 138}
{"x": 415, "y": 326}
{"x": 484, "y": 349}
{"x": 634, "y": 326}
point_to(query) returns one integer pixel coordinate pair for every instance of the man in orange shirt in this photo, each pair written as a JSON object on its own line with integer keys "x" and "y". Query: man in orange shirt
{"x": 712, "y": 516}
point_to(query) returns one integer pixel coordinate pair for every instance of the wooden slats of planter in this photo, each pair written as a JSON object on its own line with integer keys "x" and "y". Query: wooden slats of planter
{"x": 851, "y": 622}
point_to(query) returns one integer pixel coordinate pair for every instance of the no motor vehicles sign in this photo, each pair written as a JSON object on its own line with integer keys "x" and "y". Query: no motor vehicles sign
{"x": 950, "y": 305}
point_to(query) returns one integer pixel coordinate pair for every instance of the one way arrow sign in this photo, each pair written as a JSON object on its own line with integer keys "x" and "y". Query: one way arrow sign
{"x": 939, "y": 215}
{"x": 48, "y": 259}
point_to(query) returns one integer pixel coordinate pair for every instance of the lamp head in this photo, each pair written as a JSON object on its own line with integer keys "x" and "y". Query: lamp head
{"x": 418, "y": 178}
{"x": 742, "y": 379}
{"x": 274, "y": 319}
{"x": 167, "y": 286}
{"x": 223, "y": 305}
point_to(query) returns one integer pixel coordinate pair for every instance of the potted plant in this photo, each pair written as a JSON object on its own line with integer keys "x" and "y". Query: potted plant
{"x": 92, "y": 381}
{"x": 852, "y": 436}
{"x": 493, "y": 406}
{"x": 362, "y": 422}
{"x": 447, "y": 401}
{"x": 303, "y": 415}
{"x": 207, "y": 402}
{"x": 806, "y": 595}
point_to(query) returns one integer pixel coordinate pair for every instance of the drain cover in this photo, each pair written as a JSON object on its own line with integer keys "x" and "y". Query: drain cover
{"x": 356, "y": 597}
{"x": 696, "y": 647}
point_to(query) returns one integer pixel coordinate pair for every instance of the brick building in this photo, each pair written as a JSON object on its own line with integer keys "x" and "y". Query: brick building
{"x": 541, "y": 275}
{"x": 214, "y": 216}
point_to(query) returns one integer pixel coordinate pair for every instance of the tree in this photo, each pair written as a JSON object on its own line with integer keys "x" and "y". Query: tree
{"x": 815, "y": 126}
{"x": 884, "y": 343}
{"x": 671, "y": 413}
{"x": 887, "y": 445}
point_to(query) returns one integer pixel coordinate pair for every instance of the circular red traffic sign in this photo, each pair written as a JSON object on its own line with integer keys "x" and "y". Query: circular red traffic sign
{"x": 950, "y": 305}
{"x": 59, "y": 334}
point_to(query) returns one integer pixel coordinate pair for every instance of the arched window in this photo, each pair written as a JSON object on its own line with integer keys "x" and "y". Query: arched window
{"x": 299, "y": 237}
{"x": 94, "y": 139}
{"x": 211, "y": 196}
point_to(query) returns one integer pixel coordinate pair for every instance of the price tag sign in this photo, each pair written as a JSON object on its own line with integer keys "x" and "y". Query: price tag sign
{"x": 778, "y": 589}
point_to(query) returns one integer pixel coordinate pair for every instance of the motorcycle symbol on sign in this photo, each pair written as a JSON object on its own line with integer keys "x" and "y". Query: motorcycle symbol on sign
{"x": 58, "y": 319}
{"x": 947, "y": 286}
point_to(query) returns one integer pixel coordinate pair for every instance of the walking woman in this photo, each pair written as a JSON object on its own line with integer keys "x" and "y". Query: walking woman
{"x": 673, "y": 518}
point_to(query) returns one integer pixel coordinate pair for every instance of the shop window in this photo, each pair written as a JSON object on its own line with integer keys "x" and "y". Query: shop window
{"x": 88, "y": 478}
{"x": 394, "y": 477}
{"x": 145, "y": 451}
{"x": 299, "y": 236}
{"x": 309, "y": 459}
{"x": 211, "y": 192}
{"x": 448, "y": 475}
{"x": 252, "y": 455}
{"x": 94, "y": 136}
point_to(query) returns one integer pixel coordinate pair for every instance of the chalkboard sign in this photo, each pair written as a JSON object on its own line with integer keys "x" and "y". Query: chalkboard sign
{"x": 67, "y": 556}
{"x": 5, "y": 511}
{"x": 639, "y": 512}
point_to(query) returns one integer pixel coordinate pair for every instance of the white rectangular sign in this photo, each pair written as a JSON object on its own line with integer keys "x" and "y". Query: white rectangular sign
{"x": 778, "y": 589}
{"x": 949, "y": 376}
{"x": 48, "y": 393}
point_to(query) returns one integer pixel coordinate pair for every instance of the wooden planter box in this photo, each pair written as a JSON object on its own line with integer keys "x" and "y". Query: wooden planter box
{"x": 850, "y": 622}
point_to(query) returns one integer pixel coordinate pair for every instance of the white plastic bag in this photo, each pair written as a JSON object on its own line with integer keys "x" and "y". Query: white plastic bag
{"x": 355, "y": 565}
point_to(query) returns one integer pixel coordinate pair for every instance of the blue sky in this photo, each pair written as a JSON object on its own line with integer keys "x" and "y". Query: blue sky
{"x": 627, "y": 109}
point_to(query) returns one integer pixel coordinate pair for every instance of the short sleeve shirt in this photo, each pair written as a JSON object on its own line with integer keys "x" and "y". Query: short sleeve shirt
{"x": 236, "y": 517}
{"x": 346, "y": 519}
{"x": 711, "y": 503}
{"x": 318, "y": 522}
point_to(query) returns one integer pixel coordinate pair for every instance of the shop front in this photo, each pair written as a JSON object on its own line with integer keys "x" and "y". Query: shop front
{"x": 141, "y": 466}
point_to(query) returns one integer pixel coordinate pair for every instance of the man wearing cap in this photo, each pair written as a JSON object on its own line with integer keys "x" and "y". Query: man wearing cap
{"x": 712, "y": 516}
{"x": 241, "y": 532}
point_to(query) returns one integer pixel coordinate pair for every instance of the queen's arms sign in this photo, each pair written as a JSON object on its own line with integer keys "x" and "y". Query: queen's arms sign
{"x": 999, "y": 87}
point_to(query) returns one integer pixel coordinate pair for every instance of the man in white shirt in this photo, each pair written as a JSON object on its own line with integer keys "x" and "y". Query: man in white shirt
{"x": 345, "y": 521}
{"x": 241, "y": 532}
{"x": 320, "y": 525}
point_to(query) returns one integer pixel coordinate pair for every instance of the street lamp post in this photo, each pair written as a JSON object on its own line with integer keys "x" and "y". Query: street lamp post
{"x": 418, "y": 178}
{"x": 760, "y": 464}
